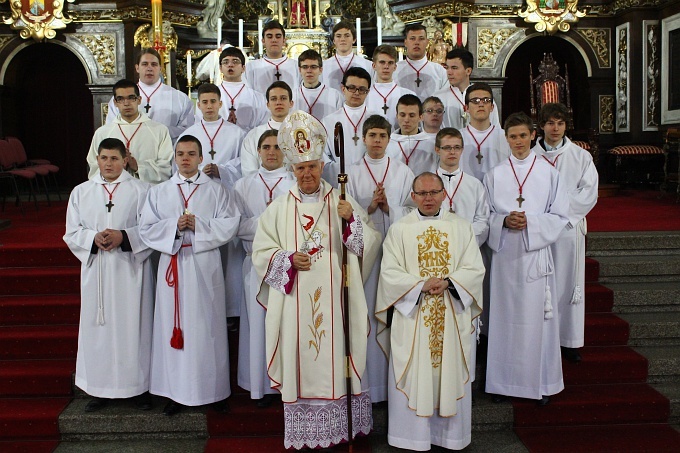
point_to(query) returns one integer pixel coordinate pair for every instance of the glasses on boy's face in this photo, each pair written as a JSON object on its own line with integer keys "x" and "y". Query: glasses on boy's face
{"x": 478, "y": 101}
{"x": 448, "y": 148}
{"x": 356, "y": 89}
{"x": 122, "y": 99}
{"x": 430, "y": 193}
{"x": 435, "y": 111}
{"x": 234, "y": 62}
{"x": 313, "y": 67}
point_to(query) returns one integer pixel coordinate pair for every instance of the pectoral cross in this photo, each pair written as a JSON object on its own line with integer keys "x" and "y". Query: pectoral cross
{"x": 147, "y": 107}
{"x": 109, "y": 205}
{"x": 418, "y": 81}
{"x": 479, "y": 157}
{"x": 356, "y": 139}
{"x": 212, "y": 154}
{"x": 520, "y": 200}
{"x": 451, "y": 210}
{"x": 278, "y": 75}
{"x": 232, "y": 115}
{"x": 385, "y": 108}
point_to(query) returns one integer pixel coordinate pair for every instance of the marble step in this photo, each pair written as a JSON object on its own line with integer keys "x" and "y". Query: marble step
{"x": 664, "y": 363}
{"x": 642, "y": 297}
{"x": 653, "y": 329}
{"x": 671, "y": 390}
{"x": 637, "y": 242}
{"x": 635, "y": 269}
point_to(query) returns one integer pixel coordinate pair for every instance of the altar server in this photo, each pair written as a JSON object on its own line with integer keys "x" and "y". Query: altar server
{"x": 274, "y": 66}
{"x": 313, "y": 96}
{"x": 416, "y": 72}
{"x": 344, "y": 36}
{"x": 385, "y": 92}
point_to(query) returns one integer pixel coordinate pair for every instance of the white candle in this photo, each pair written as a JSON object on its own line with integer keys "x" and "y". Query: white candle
{"x": 188, "y": 68}
{"x": 259, "y": 36}
{"x": 240, "y": 34}
{"x": 219, "y": 32}
{"x": 218, "y": 73}
{"x": 298, "y": 15}
{"x": 358, "y": 36}
{"x": 401, "y": 55}
{"x": 378, "y": 24}
{"x": 318, "y": 14}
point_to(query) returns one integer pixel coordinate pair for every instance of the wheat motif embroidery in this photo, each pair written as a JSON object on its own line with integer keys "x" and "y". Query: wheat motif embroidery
{"x": 317, "y": 320}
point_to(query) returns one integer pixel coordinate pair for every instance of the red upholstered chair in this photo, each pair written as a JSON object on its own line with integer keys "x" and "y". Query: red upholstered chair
{"x": 640, "y": 164}
{"x": 549, "y": 86}
{"x": 11, "y": 174}
{"x": 42, "y": 167}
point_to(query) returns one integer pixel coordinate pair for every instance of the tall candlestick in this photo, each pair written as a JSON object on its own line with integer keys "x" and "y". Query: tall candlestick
{"x": 401, "y": 55}
{"x": 298, "y": 15}
{"x": 358, "y": 36}
{"x": 378, "y": 25}
{"x": 219, "y": 32}
{"x": 189, "y": 69}
{"x": 310, "y": 14}
{"x": 280, "y": 3}
{"x": 318, "y": 14}
{"x": 259, "y": 37}
{"x": 240, "y": 34}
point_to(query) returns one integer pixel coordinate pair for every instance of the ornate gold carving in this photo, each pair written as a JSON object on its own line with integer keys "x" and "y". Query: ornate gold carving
{"x": 458, "y": 9}
{"x": 317, "y": 320}
{"x": 433, "y": 261}
{"x": 622, "y": 91}
{"x": 606, "y": 114}
{"x": 4, "y": 39}
{"x": 103, "y": 47}
{"x": 651, "y": 82}
{"x": 37, "y": 19}
{"x": 103, "y": 111}
{"x": 599, "y": 40}
{"x": 133, "y": 12}
{"x": 489, "y": 42}
{"x": 551, "y": 15}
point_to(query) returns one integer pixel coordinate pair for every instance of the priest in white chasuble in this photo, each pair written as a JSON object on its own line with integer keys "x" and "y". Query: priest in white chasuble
{"x": 297, "y": 252}
{"x": 528, "y": 212}
{"x": 187, "y": 219}
{"x": 116, "y": 284}
{"x": 429, "y": 293}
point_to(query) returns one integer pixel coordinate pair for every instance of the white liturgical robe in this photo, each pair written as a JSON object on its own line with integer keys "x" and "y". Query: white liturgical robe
{"x": 305, "y": 340}
{"x": 524, "y": 349}
{"x": 454, "y": 106}
{"x": 148, "y": 141}
{"x": 334, "y": 68}
{"x": 396, "y": 179}
{"x": 167, "y": 106}
{"x": 579, "y": 178}
{"x": 261, "y": 73}
{"x": 383, "y": 98}
{"x": 250, "y": 159}
{"x": 116, "y": 287}
{"x": 416, "y": 151}
{"x": 432, "y": 76}
{"x": 318, "y": 102}
{"x": 190, "y": 291}
{"x": 490, "y": 144}
{"x": 253, "y": 195}
{"x": 250, "y": 106}
{"x": 429, "y": 338}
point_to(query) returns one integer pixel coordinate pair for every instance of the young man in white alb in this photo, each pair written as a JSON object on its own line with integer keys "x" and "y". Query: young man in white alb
{"x": 279, "y": 102}
{"x": 275, "y": 66}
{"x": 459, "y": 63}
{"x": 416, "y": 72}
{"x": 160, "y": 102}
{"x": 409, "y": 144}
{"x": 313, "y": 96}
{"x": 385, "y": 92}
{"x": 579, "y": 178}
{"x": 433, "y": 115}
{"x": 147, "y": 142}
{"x": 344, "y": 36}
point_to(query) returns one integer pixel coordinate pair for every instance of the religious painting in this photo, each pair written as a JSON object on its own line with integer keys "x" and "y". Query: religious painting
{"x": 37, "y": 18}
{"x": 302, "y": 144}
{"x": 670, "y": 70}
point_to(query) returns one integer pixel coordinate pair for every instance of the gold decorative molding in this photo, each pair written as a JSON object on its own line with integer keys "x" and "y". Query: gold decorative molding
{"x": 489, "y": 42}
{"x": 599, "y": 40}
{"x": 606, "y": 114}
{"x": 131, "y": 13}
{"x": 103, "y": 47}
{"x": 4, "y": 39}
{"x": 37, "y": 19}
{"x": 457, "y": 9}
{"x": 103, "y": 111}
{"x": 551, "y": 16}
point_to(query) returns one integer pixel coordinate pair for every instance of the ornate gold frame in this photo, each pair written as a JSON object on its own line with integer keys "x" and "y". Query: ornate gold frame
{"x": 38, "y": 23}
{"x": 551, "y": 19}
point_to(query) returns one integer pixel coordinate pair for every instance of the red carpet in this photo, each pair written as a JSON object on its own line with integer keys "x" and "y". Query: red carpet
{"x": 635, "y": 211}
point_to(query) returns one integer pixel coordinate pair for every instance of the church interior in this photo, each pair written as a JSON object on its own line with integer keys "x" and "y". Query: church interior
{"x": 614, "y": 63}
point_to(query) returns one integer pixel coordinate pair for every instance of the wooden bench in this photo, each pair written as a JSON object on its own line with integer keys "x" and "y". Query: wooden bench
{"x": 638, "y": 164}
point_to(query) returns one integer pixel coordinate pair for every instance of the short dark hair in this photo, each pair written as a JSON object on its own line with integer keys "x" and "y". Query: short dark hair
{"x": 464, "y": 55}
{"x": 149, "y": 51}
{"x": 376, "y": 122}
{"x": 209, "y": 88}
{"x": 410, "y": 99}
{"x": 273, "y": 25}
{"x": 518, "y": 119}
{"x": 310, "y": 54}
{"x": 233, "y": 52}
{"x": 554, "y": 110}
{"x": 342, "y": 25}
{"x": 125, "y": 83}
{"x": 434, "y": 99}
{"x": 190, "y": 139}
{"x": 265, "y": 135}
{"x": 279, "y": 84}
{"x": 113, "y": 144}
{"x": 479, "y": 86}
{"x": 414, "y": 27}
{"x": 447, "y": 132}
{"x": 426, "y": 174}
{"x": 356, "y": 71}
{"x": 387, "y": 50}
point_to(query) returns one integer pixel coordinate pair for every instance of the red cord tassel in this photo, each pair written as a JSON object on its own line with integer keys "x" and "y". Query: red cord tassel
{"x": 172, "y": 279}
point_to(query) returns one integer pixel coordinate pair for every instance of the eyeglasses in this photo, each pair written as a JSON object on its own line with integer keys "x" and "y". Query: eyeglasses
{"x": 234, "y": 61}
{"x": 313, "y": 67}
{"x": 355, "y": 89}
{"x": 478, "y": 101}
{"x": 122, "y": 99}
{"x": 451, "y": 148}
{"x": 437, "y": 111}
{"x": 430, "y": 193}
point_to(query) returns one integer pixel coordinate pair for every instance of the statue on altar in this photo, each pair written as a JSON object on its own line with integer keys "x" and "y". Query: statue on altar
{"x": 214, "y": 9}
{"x": 392, "y": 25}
{"x": 297, "y": 15}
{"x": 438, "y": 48}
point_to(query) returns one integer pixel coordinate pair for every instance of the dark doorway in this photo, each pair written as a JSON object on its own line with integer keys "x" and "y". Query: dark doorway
{"x": 516, "y": 88}
{"x": 48, "y": 105}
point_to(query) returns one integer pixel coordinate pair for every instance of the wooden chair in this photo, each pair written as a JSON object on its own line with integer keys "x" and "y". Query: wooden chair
{"x": 549, "y": 86}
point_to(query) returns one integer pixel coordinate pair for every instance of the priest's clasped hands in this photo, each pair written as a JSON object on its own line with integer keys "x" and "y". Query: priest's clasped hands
{"x": 108, "y": 239}
{"x": 379, "y": 200}
{"x": 516, "y": 220}
{"x": 186, "y": 221}
{"x": 435, "y": 286}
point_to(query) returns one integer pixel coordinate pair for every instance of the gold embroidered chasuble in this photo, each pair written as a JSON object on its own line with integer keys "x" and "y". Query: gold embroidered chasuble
{"x": 305, "y": 341}
{"x": 430, "y": 349}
